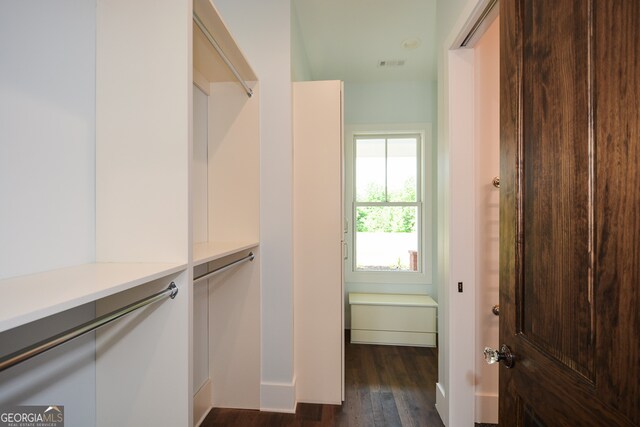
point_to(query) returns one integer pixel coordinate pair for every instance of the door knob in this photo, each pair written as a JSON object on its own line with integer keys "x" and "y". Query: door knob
{"x": 504, "y": 355}
{"x": 496, "y": 309}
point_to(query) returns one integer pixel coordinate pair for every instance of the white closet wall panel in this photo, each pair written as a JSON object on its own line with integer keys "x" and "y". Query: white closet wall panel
{"x": 47, "y": 187}
{"x": 144, "y": 363}
{"x": 199, "y": 183}
{"x": 234, "y": 344}
{"x": 200, "y": 335}
{"x": 143, "y": 100}
{"x": 142, "y": 375}
{"x": 63, "y": 376}
{"x": 47, "y": 135}
{"x": 234, "y": 138}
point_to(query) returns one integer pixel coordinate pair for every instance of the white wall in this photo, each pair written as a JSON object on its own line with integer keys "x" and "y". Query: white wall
{"x": 388, "y": 102}
{"x": 300, "y": 70}
{"x": 263, "y": 32}
{"x": 47, "y": 128}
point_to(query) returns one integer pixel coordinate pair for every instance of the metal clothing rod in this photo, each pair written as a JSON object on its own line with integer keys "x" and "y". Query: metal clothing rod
{"x": 40, "y": 347}
{"x": 249, "y": 257}
{"x": 217, "y": 47}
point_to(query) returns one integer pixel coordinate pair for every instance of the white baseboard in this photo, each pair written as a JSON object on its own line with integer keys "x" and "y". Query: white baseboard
{"x": 442, "y": 405}
{"x": 278, "y": 397}
{"x": 413, "y": 339}
{"x": 202, "y": 403}
{"x": 487, "y": 408}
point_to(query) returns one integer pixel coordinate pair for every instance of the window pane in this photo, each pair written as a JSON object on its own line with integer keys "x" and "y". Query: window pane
{"x": 387, "y": 238}
{"x": 402, "y": 163}
{"x": 370, "y": 170}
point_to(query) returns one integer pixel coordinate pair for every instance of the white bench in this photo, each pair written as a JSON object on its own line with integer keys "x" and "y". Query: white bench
{"x": 393, "y": 319}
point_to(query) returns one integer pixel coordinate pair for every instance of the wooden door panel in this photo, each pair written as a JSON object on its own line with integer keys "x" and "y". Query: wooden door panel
{"x": 556, "y": 182}
{"x": 529, "y": 418}
{"x": 617, "y": 187}
{"x": 570, "y": 212}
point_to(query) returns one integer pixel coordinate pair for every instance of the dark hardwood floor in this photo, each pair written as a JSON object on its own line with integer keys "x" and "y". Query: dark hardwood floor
{"x": 385, "y": 386}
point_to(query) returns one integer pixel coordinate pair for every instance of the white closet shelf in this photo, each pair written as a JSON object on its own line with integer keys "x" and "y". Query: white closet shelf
{"x": 211, "y": 251}
{"x": 25, "y": 299}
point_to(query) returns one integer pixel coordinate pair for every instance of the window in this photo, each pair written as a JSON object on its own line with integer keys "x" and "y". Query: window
{"x": 387, "y": 205}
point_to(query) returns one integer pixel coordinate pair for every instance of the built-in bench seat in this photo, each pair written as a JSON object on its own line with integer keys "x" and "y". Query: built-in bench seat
{"x": 393, "y": 319}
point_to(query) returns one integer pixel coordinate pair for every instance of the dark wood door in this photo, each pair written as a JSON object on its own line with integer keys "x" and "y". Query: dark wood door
{"x": 570, "y": 212}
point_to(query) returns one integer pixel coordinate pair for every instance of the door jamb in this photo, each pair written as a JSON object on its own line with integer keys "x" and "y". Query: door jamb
{"x": 455, "y": 390}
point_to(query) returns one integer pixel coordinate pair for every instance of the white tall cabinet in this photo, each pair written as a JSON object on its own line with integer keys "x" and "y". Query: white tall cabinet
{"x": 108, "y": 194}
{"x": 318, "y": 241}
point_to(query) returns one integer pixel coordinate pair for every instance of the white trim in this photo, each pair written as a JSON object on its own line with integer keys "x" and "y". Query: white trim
{"x": 278, "y": 397}
{"x": 202, "y": 402}
{"x": 442, "y": 404}
{"x": 419, "y": 136}
{"x": 428, "y": 190}
{"x": 462, "y": 216}
{"x": 480, "y": 16}
{"x": 487, "y": 408}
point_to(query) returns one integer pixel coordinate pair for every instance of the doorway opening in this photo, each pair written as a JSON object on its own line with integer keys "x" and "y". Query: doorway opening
{"x": 454, "y": 270}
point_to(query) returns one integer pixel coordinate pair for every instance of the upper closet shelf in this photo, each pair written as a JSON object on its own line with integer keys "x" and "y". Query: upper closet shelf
{"x": 211, "y": 251}
{"x": 208, "y": 64}
{"x": 29, "y": 298}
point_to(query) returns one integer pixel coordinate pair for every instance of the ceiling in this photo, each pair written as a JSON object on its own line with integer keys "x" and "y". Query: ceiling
{"x": 346, "y": 39}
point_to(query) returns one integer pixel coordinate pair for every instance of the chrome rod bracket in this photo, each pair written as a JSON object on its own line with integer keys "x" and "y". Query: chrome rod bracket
{"x": 174, "y": 290}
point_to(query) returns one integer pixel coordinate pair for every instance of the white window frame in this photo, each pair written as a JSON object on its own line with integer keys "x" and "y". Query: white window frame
{"x": 424, "y": 193}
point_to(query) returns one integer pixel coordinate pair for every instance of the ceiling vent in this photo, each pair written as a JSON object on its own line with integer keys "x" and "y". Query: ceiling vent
{"x": 391, "y": 63}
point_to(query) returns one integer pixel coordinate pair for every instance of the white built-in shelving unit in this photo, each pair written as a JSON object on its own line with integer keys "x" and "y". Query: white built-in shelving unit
{"x": 225, "y": 221}
{"x": 109, "y": 194}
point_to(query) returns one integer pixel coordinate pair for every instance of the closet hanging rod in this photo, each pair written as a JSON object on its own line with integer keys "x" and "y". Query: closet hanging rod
{"x": 47, "y": 344}
{"x": 226, "y": 60}
{"x": 249, "y": 257}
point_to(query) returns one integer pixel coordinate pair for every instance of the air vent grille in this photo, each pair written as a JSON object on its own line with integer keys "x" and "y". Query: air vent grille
{"x": 387, "y": 63}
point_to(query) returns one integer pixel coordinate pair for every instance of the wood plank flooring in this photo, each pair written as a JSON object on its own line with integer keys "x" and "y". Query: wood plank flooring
{"x": 385, "y": 386}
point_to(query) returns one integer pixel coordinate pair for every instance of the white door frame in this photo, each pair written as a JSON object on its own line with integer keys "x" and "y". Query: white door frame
{"x": 455, "y": 391}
